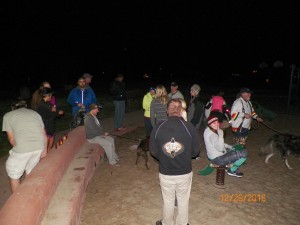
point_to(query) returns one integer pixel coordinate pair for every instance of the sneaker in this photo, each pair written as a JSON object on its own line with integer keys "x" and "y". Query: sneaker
{"x": 121, "y": 129}
{"x": 116, "y": 164}
{"x": 234, "y": 174}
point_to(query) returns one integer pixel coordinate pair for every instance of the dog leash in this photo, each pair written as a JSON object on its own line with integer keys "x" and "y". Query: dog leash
{"x": 134, "y": 139}
{"x": 267, "y": 126}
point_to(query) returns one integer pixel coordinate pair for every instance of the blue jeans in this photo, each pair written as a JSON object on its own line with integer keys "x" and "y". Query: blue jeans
{"x": 119, "y": 113}
{"x": 148, "y": 126}
{"x": 231, "y": 157}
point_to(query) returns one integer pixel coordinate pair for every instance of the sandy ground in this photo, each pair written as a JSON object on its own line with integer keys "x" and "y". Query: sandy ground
{"x": 130, "y": 194}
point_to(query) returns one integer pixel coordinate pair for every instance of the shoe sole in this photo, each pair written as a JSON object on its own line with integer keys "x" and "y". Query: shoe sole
{"x": 235, "y": 175}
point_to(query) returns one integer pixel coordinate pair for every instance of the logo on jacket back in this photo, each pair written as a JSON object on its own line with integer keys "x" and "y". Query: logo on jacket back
{"x": 173, "y": 148}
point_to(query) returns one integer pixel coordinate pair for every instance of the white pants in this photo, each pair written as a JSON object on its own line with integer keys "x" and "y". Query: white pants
{"x": 108, "y": 144}
{"x": 181, "y": 184}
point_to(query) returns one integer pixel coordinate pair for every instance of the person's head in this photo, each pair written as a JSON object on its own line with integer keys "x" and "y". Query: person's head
{"x": 213, "y": 122}
{"x": 160, "y": 91}
{"x": 95, "y": 108}
{"x": 81, "y": 82}
{"x": 245, "y": 93}
{"x": 152, "y": 91}
{"x": 47, "y": 93}
{"x": 120, "y": 77}
{"x": 195, "y": 89}
{"x": 174, "y": 87}
{"x": 18, "y": 103}
{"x": 87, "y": 77}
{"x": 45, "y": 84}
{"x": 174, "y": 107}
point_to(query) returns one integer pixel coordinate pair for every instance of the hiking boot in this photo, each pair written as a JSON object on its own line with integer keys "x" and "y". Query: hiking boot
{"x": 234, "y": 174}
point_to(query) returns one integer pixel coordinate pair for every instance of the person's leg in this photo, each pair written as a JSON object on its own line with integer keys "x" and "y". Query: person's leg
{"x": 107, "y": 146}
{"x": 15, "y": 167}
{"x": 183, "y": 191}
{"x": 122, "y": 112}
{"x": 14, "y": 184}
{"x": 230, "y": 157}
{"x": 237, "y": 164}
{"x": 241, "y": 136}
{"x": 117, "y": 114}
{"x": 168, "y": 186}
{"x": 112, "y": 141}
{"x": 50, "y": 142}
{"x": 148, "y": 126}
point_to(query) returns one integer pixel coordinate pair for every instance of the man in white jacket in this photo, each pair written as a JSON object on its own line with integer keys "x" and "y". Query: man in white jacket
{"x": 242, "y": 113}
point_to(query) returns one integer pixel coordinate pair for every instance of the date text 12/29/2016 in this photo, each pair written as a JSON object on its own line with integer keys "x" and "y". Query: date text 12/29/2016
{"x": 243, "y": 198}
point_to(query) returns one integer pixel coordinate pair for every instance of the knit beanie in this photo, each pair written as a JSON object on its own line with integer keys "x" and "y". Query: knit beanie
{"x": 211, "y": 119}
{"x": 196, "y": 88}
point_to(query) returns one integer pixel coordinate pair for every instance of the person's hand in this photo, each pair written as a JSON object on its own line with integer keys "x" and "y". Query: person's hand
{"x": 247, "y": 116}
{"x": 60, "y": 112}
{"x": 106, "y": 134}
{"x": 259, "y": 119}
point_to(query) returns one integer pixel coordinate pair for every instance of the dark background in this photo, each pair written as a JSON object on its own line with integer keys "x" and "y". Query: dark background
{"x": 225, "y": 43}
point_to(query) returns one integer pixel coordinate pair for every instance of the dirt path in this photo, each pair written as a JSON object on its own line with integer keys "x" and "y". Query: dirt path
{"x": 130, "y": 194}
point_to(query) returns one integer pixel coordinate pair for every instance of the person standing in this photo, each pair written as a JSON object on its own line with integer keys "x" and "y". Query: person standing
{"x": 196, "y": 107}
{"x": 158, "y": 107}
{"x": 242, "y": 113}
{"x": 36, "y": 96}
{"x": 88, "y": 80}
{"x": 174, "y": 143}
{"x": 147, "y": 99}
{"x": 95, "y": 134}
{"x": 118, "y": 91}
{"x": 49, "y": 114}
{"x": 80, "y": 98}
{"x": 26, "y": 133}
{"x": 175, "y": 93}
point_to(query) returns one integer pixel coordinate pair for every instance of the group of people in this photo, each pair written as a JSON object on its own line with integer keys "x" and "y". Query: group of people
{"x": 32, "y": 144}
{"x": 171, "y": 124}
{"x": 174, "y": 142}
{"x": 155, "y": 105}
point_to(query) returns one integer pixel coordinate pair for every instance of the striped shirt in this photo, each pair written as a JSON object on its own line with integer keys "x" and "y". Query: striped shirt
{"x": 158, "y": 112}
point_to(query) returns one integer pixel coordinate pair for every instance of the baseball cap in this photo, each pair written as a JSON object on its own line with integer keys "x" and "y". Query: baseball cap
{"x": 174, "y": 84}
{"x": 246, "y": 90}
{"x": 87, "y": 75}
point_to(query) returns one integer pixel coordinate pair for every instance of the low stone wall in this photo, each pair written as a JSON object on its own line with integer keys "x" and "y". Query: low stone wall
{"x": 28, "y": 205}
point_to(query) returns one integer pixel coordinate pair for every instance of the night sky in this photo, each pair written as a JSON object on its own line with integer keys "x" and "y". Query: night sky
{"x": 200, "y": 42}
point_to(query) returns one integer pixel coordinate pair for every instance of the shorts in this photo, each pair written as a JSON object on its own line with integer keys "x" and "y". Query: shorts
{"x": 18, "y": 163}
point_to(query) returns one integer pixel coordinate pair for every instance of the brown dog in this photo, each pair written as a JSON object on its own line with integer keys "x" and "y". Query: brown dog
{"x": 142, "y": 150}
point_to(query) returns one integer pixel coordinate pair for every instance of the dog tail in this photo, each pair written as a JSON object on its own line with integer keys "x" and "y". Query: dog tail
{"x": 133, "y": 147}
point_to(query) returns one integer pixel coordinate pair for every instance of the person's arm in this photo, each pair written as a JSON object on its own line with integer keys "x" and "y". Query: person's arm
{"x": 145, "y": 103}
{"x": 44, "y": 153}
{"x": 195, "y": 142}
{"x": 236, "y": 110}
{"x": 152, "y": 114}
{"x": 197, "y": 113}
{"x": 152, "y": 144}
{"x": 218, "y": 142}
{"x": 10, "y": 137}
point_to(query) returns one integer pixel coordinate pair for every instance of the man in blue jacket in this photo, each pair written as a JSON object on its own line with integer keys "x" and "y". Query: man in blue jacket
{"x": 174, "y": 143}
{"x": 80, "y": 98}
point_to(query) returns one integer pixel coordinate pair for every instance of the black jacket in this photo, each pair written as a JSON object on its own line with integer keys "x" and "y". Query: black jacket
{"x": 49, "y": 117}
{"x": 117, "y": 89}
{"x": 174, "y": 143}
